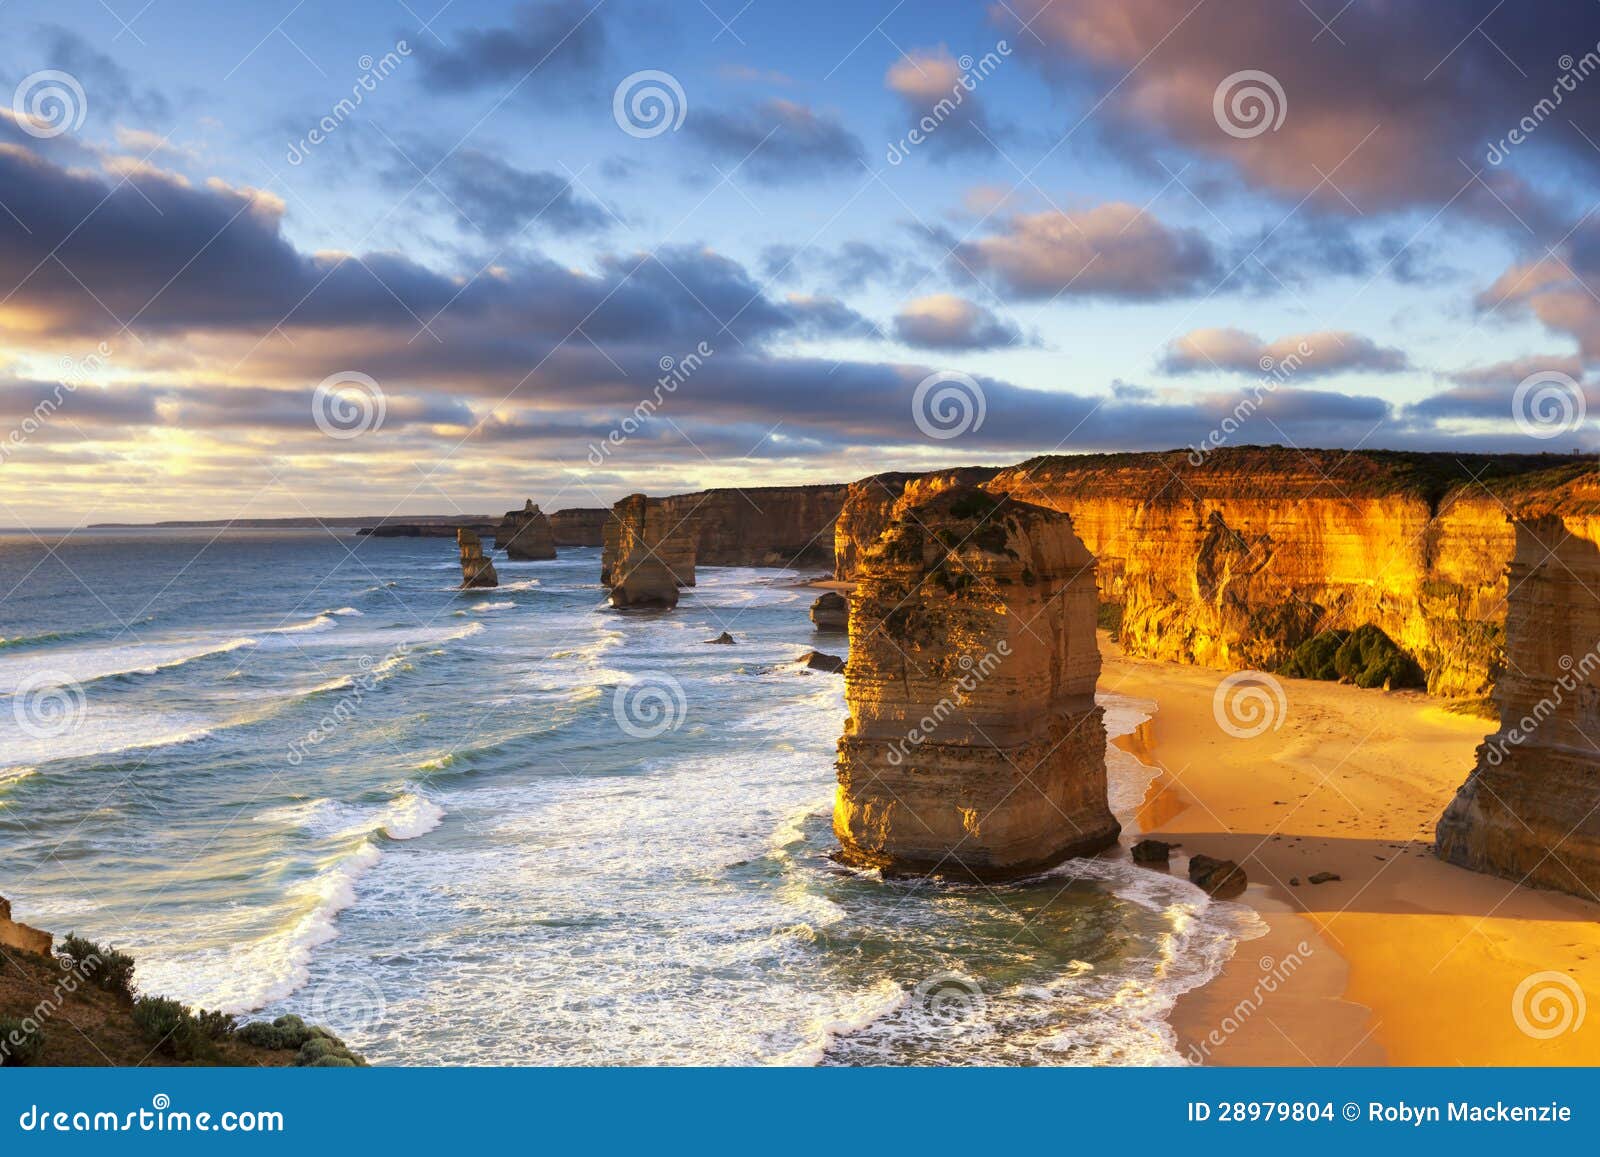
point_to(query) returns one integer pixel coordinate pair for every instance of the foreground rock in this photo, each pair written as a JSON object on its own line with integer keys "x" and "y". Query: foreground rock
{"x": 1528, "y": 811}
{"x": 649, "y": 553}
{"x": 974, "y": 746}
{"x": 526, "y": 534}
{"x": 831, "y": 612}
{"x": 476, "y": 571}
{"x": 1220, "y": 878}
{"x": 1238, "y": 558}
{"x": 818, "y": 661}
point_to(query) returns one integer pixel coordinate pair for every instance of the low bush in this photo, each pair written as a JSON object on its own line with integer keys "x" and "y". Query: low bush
{"x": 1366, "y": 657}
{"x": 106, "y": 968}
{"x": 20, "y": 1046}
{"x": 314, "y": 1046}
{"x": 169, "y": 1027}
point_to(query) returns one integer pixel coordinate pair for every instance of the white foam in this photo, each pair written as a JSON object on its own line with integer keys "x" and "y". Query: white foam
{"x": 59, "y": 667}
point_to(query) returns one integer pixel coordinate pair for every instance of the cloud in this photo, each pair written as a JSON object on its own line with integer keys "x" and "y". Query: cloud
{"x": 543, "y": 48}
{"x": 1487, "y": 393}
{"x": 489, "y": 195}
{"x": 946, "y": 322}
{"x": 107, "y": 86}
{"x": 1305, "y": 355}
{"x": 941, "y": 100}
{"x": 1388, "y": 105}
{"x": 778, "y": 142}
{"x": 1114, "y": 250}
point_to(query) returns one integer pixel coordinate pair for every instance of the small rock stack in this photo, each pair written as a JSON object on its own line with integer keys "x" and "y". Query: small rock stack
{"x": 476, "y": 571}
{"x": 974, "y": 747}
{"x": 526, "y": 534}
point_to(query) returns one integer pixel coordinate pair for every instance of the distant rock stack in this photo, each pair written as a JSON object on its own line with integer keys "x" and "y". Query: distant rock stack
{"x": 580, "y": 526}
{"x": 1530, "y": 811}
{"x": 476, "y": 571}
{"x": 974, "y": 748}
{"x": 831, "y": 612}
{"x": 526, "y": 534}
{"x": 649, "y": 552}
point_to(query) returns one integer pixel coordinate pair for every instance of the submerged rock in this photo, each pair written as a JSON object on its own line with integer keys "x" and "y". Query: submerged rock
{"x": 476, "y": 571}
{"x": 974, "y": 746}
{"x": 723, "y": 640}
{"x": 818, "y": 661}
{"x": 1324, "y": 877}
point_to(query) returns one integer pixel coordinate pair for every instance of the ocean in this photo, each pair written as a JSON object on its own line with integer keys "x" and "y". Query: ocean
{"x": 301, "y": 771}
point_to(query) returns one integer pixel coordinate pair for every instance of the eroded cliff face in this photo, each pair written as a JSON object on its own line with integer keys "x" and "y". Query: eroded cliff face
{"x": 1234, "y": 562}
{"x": 1530, "y": 810}
{"x": 974, "y": 747}
{"x": 526, "y": 534}
{"x": 580, "y": 526}
{"x": 648, "y": 553}
{"x": 762, "y": 525}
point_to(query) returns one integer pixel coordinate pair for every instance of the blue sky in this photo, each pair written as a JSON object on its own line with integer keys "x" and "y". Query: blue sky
{"x": 485, "y": 257}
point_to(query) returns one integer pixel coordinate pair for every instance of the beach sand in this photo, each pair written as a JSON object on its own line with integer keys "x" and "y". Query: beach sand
{"x": 1405, "y": 960}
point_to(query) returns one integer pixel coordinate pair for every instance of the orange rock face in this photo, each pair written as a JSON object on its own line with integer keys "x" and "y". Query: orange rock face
{"x": 1530, "y": 810}
{"x": 761, "y": 525}
{"x": 974, "y": 748}
{"x": 1233, "y": 562}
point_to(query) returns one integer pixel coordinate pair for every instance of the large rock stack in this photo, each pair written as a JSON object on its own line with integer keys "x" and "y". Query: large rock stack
{"x": 476, "y": 571}
{"x": 974, "y": 748}
{"x": 649, "y": 552}
{"x": 1530, "y": 811}
{"x": 526, "y": 534}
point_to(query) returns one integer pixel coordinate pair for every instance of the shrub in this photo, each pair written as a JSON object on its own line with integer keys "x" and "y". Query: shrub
{"x": 169, "y": 1027}
{"x": 1107, "y": 618}
{"x": 1366, "y": 657}
{"x": 19, "y": 1046}
{"x": 315, "y": 1047}
{"x": 215, "y": 1026}
{"x": 108, "y": 969}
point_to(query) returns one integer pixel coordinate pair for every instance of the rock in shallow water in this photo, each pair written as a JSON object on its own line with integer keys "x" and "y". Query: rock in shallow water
{"x": 818, "y": 661}
{"x": 831, "y": 612}
{"x": 1221, "y": 878}
{"x": 1152, "y": 851}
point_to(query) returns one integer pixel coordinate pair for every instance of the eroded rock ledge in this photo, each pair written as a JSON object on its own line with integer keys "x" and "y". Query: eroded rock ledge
{"x": 974, "y": 747}
{"x": 1530, "y": 811}
{"x": 649, "y": 552}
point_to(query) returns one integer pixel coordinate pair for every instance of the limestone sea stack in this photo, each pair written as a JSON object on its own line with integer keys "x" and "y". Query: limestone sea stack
{"x": 831, "y": 612}
{"x": 649, "y": 552}
{"x": 476, "y": 571}
{"x": 974, "y": 747}
{"x": 1530, "y": 811}
{"x": 526, "y": 534}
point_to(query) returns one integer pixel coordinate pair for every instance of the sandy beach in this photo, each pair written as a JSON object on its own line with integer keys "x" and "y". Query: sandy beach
{"x": 1404, "y": 960}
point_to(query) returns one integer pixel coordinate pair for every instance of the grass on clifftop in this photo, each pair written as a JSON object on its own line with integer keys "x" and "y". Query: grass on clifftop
{"x": 80, "y": 1008}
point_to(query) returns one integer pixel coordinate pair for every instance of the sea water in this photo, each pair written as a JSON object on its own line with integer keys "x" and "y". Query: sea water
{"x": 301, "y": 771}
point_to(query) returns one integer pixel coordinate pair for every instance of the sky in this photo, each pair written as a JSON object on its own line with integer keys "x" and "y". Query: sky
{"x": 431, "y": 256}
